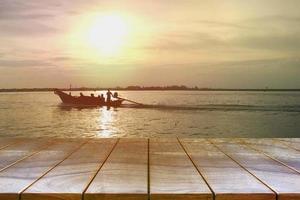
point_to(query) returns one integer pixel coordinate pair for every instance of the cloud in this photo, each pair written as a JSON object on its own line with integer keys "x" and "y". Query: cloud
{"x": 40, "y": 58}
{"x": 37, "y": 10}
{"x": 59, "y": 61}
{"x": 25, "y": 18}
{"x": 26, "y": 29}
{"x": 255, "y": 40}
{"x": 5, "y": 16}
{"x": 276, "y": 42}
{"x": 25, "y": 63}
{"x": 273, "y": 32}
{"x": 21, "y": 10}
{"x": 275, "y": 18}
{"x": 62, "y": 58}
{"x": 185, "y": 41}
{"x": 220, "y": 24}
{"x": 292, "y": 62}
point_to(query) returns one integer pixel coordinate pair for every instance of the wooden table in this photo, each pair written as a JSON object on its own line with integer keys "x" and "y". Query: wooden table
{"x": 142, "y": 169}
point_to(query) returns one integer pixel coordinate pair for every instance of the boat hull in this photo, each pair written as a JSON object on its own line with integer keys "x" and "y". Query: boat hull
{"x": 85, "y": 100}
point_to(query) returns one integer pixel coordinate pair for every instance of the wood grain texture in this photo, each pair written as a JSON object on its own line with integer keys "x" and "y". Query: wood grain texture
{"x": 124, "y": 174}
{"x": 16, "y": 178}
{"x": 226, "y": 178}
{"x": 4, "y": 142}
{"x": 279, "y": 178}
{"x": 291, "y": 142}
{"x": 172, "y": 174}
{"x": 70, "y": 178}
{"x": 20, "y": 150}
{"x": 62, "y": 169}
{"x": 275, "y": 149}
{"x": 171, "y": 196}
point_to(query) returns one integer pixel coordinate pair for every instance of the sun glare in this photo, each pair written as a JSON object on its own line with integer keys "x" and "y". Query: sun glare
{"x": 107, "y": 34}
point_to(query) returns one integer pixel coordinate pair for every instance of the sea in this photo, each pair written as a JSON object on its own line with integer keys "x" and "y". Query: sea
{"x": 163, "y": 114}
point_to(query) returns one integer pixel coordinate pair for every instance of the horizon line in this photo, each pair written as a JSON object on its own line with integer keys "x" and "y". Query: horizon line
{"x": 145, "y": 88}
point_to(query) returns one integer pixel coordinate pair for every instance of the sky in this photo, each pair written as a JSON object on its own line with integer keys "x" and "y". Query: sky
{"x": 100, "y": 43}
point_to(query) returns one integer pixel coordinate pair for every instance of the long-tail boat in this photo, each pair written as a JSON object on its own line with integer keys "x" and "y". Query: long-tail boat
{"x": 86, "y": 100}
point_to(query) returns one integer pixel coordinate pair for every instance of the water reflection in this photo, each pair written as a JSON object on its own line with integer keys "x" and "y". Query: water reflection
{"x": 66, "y": 107}
{"x": 101, "y": 121}
{"x": 107, "y": 120}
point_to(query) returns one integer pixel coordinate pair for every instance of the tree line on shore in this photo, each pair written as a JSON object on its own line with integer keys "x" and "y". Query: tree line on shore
{"x": 136, "y": 87}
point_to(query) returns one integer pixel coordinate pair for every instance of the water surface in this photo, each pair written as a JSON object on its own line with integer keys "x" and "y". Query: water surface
{"x": 167, "y": 114}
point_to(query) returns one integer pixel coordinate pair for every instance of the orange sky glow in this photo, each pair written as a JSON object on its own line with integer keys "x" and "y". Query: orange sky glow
{"x": 97, "y": 43}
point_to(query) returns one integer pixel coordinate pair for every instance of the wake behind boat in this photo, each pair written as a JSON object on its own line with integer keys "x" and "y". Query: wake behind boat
{"x": 87, "y": 100}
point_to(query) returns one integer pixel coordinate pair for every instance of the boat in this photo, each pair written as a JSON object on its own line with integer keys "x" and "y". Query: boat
{"x": 86, "y": 100}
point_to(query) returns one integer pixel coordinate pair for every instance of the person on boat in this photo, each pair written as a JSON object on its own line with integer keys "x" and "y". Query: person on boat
{"x": 92, "y": 95}
{"x": 81, "y": 94}
{"x": 108, "y": 95}
{"x": 102, "y": 98}
{"x": 115, "y": 95}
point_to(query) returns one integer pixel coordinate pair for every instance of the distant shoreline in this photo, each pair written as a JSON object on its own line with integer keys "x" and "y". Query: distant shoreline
{"x": 146, "y": 89}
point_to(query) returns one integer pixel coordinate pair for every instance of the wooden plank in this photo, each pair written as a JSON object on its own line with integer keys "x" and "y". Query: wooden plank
{"x": 172, "y": 174}
{"x": 5, "y": 142}
{"x": 70, "y": 178}
{"x": 20, "y": 150}
{"x": 275, "y": 149}
{"x": 296, "y": 140}
{"x": 18, "y": 177}
{"x": 226, "y": 178}
{"x": 284, "y": 181}
{"x": 124, "y": 174}
{"x": 291, "y": 142}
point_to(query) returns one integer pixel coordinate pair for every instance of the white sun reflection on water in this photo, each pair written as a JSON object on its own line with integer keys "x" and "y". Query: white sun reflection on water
{"x": 107, "y": 120}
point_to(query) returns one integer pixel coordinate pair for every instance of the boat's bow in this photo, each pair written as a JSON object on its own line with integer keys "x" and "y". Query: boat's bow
{"x": 65, "y": 98}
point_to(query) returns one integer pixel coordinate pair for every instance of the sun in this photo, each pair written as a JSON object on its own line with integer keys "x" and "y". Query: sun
{"x": 107, "y": 34}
